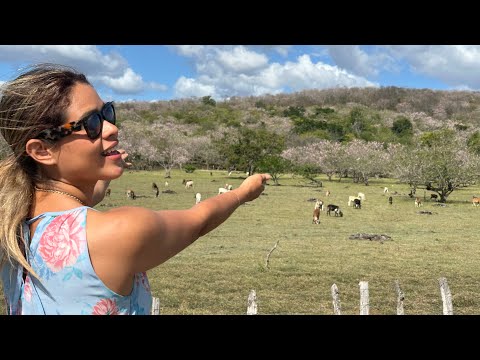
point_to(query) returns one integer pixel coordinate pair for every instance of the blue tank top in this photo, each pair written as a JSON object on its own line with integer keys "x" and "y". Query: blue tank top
{"x": 69, "y": 285}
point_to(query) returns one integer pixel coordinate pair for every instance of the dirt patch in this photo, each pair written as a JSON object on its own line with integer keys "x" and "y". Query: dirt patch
{"x": 371, "y": 237}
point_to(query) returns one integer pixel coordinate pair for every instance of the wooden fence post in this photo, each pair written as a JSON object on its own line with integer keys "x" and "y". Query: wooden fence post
{"x": 267, "y": 260}
{"x": 252, "y": 303}
{"x": 446, "y": 296}
{"x": 336, "y": 300}
{"x": 364, "y": 302}
{"x": 155, "y": 306}
{"x": 400, "y": 298}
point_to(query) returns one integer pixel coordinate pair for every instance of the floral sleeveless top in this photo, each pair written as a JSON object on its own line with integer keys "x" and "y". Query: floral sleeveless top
{"x": 69, "y": 285}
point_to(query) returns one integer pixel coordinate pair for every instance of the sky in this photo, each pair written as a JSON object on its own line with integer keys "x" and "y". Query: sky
{"x": 165, "y": 72}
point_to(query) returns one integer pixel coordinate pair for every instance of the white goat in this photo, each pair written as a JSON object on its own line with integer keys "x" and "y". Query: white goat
{"x": 198, "y": 198}
{"x": 222, "y": 190}
{"x": 351, "y": 199}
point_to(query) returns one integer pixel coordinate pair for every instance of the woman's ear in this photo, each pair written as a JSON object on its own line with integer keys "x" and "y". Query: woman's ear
{"x": 40, "y": 151}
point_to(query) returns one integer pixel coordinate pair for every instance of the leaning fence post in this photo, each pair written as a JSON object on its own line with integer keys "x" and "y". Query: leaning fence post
{"x": 155, "y": 306}
{"x": 267, "y": 259}
{"x": 336, "y": 300}
{"x": 252, "y": 303}
{"x": 364, "y": 305}
{"x": 400, "y": 298}
{"x": 446, "y": 296}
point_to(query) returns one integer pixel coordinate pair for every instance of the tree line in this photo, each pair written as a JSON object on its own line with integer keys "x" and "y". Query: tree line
{"x": 424, "y": 138}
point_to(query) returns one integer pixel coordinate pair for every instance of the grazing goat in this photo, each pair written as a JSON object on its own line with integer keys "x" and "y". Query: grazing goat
{"x": 166, "y": 183}
{"x": 222, "y": 191}
{"x": 198, "y": 198}
{"x": 316, "y": 213}
{"x": 418, "y": 202}
{"x": 188, "y": 183}
{"x": 352, "y": 199}
{"x": 131, "y": 194}
{"x": 385, "y": 190}
{"x": 108, "y": 192}
{"x": 321, "y": 204}
{"x": 155, "y": 189}
{"x": 336, "y": 210}
{"x": 327, "y": 193}
{"x": 357, "y": 204}
{"x": 475, "y": 201}
{"x": 390, "y": 200}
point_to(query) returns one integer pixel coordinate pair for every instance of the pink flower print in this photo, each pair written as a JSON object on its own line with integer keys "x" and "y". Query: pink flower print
{"x": 61, "y": 242}
{"x": 105, "y": 307}
{"x": 18, "y": 311}
{"x": 141, "y": 279}
{"x": 27, "y": 289}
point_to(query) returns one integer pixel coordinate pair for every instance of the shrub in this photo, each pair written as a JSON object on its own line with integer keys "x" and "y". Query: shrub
{"x": 189, "y": 168}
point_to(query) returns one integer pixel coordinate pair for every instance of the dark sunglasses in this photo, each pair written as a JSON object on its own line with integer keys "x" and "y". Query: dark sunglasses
{"x": 93, "y": 124}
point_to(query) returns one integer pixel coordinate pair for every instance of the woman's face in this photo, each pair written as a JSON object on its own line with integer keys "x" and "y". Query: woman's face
{"x": 81, "y": 160}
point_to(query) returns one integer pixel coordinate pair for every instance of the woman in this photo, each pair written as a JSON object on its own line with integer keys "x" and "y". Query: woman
{"x": 59, "y": 255}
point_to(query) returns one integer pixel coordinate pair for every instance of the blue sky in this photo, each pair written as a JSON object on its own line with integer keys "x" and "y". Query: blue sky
{"x": 158, "y": 72}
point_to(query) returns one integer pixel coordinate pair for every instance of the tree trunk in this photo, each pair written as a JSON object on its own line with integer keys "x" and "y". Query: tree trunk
{"x": 365, "y": 180}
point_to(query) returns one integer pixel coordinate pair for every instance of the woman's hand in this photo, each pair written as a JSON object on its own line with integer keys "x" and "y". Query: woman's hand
{"x": 124, "y": 153}
{"x": 253, "y": 186}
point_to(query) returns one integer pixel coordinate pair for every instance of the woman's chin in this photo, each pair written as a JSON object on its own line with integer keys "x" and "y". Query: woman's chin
{"x": 116, "y": 173}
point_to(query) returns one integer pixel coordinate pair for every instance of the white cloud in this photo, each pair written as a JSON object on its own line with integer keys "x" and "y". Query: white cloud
{"x": 456, "y": 65}
{"x": 354, "y": 59}
{"x": 235, "y": 71}
{"x": 241, "y": 60}
{"x": 188, "y": 50}
{"x": 185, "y": 87}
{"x": 305, "y": 74}
{"x": 279, "y": 49}
{"x": 129, "y": 82}
{"x": 109, "y": 69}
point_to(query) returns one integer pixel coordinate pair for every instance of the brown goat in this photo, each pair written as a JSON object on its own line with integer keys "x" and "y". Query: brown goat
{"x": 131, "y": 194}
{"x": 316, "y": 213}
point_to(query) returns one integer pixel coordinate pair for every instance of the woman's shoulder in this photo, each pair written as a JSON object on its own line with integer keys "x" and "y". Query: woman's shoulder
{"x": 121, "y": 212}
{"x": 120, "y": 219}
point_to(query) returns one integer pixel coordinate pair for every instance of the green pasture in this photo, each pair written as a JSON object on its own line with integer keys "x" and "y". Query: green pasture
{"x": 216, "y": 273}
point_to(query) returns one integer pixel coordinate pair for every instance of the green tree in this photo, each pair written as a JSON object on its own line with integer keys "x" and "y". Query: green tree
{"x": 440, "y": 162}
{"x": 473, "y": 142}
{"x": 245, "y": 148}
{"x": 294, "y": 111}
{"x": 360, "y": 123}
{"x": 207, "y": 100}
{"x": 402, "y": 126}
{"x": 275, "y": 165}
{"x": 308, "y": 172}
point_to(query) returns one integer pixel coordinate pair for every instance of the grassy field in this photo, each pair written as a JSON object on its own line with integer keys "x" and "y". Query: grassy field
{"x": 215, "y": 274}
